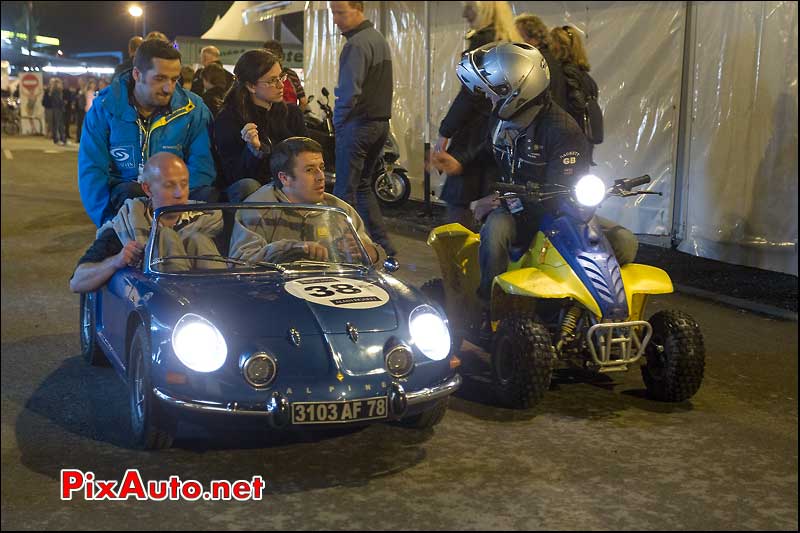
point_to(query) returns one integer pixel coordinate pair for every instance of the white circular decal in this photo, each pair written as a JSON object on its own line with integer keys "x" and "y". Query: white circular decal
{"x": 343, "y": 293}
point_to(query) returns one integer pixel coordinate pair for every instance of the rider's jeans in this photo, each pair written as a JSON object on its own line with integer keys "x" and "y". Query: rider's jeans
{"x": 499, "y": 233}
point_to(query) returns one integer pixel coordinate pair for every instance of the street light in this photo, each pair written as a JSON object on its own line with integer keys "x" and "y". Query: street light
{"x": 136, "y": 11}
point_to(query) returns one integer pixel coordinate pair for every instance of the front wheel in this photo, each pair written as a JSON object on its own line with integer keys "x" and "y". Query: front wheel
{"x": 153, "y": 429}
{"x": 391, "y": 187}
{"x": 675, "y": 357}
{"x": 522, "y": 362}
{"x": 427, "y": 419}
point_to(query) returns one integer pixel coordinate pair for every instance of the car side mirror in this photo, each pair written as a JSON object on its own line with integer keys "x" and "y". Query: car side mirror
{"x": 391, "y": 265}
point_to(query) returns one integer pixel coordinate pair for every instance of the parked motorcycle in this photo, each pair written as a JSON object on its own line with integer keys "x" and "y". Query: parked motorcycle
{"x": 390, "y": 182}
{"x": 565, "y": 300}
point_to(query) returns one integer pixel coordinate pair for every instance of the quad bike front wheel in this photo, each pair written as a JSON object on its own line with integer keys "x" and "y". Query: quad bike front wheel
{"x": 675, "y": 357}
{"x": 392, "y": 187}
{"x": 522, "y": 362}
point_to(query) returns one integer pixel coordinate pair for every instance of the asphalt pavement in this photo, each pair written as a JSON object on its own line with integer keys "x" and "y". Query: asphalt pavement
{"x": 596, "y": 454}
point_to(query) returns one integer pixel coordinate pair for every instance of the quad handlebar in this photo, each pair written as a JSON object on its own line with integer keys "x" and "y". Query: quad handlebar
{"x": 541, "y": 192}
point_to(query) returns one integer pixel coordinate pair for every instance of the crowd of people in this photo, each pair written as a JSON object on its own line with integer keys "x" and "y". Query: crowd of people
{"x": 228, "y": 130}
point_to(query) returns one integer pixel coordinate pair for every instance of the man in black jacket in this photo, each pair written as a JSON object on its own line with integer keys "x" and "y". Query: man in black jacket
{"x": 532, "y": 139}
{"x": 361, "y": 114}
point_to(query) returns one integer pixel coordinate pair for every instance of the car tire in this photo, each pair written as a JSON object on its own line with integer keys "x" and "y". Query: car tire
{"x": 522, "y": 362}
{"x": 433, "y": 289}
{"x": 392, "y": 189}
{"x": 675, "y": 357}
{"x": 427, "y": 419}
{"x": 90, "y": 348}
{"x": 152, "y": 427}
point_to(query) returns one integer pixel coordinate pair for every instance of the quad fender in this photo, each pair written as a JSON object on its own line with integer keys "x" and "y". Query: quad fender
{"x": 641, "y": 280}
{"x": 555, "y": 283}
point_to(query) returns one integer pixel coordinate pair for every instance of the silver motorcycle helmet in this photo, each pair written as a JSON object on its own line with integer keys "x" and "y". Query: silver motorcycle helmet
{"x": 512, "y": 74}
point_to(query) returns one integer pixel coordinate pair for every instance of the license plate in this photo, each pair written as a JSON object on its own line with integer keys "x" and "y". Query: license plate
{"x": 339, "y": 412}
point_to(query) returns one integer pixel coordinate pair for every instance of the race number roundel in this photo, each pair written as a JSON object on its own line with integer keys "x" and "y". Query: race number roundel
{"x": 343, "y": 293}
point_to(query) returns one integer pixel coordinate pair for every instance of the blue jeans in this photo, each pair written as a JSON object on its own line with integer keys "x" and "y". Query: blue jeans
{"x": 358, "y": 148}
{"x": 499, "y": 232}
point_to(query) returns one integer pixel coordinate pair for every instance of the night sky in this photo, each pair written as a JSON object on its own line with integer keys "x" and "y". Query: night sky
{"x": 107, "y": 26}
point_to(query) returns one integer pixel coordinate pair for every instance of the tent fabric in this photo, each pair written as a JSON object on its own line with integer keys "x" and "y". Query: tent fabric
{"x": 724, "y": 160}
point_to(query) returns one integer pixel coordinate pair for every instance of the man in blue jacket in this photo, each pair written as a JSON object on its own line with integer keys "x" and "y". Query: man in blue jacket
{"x": 143, "y": 112}
{"x": 361, "y": 114}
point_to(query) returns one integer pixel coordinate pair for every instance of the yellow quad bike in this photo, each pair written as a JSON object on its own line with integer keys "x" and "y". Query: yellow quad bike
{"x": 565, "y": 301}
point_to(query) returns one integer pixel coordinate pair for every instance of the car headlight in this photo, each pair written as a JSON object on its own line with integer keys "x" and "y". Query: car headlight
{"x": 198, "y": 344}
{"x": 429, "y": 332}
{"x": 590, "y": 190}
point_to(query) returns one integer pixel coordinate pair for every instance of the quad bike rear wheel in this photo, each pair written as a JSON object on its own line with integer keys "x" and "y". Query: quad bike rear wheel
{"x": 522, "y": 362}
{"x": 675, "y": 357}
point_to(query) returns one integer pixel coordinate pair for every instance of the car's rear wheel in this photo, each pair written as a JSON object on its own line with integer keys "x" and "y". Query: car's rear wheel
{"x": 153, "y": 428}
{"x": 427, "y": 419}
{"x": 90, "y": 348}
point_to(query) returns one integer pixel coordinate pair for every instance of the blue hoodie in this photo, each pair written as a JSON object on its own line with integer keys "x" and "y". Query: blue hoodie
{"x": 111, "y": 143}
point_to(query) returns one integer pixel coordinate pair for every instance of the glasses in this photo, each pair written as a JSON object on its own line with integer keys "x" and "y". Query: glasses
{"x": 275, "y": 82}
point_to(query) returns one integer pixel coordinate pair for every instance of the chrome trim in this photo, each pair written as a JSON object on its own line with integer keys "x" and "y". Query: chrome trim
{"x": 249, "y": 359}
{"x": 232, "y": 408}
{"x": 625, "y": 344}
{"x": 434, "y": 393}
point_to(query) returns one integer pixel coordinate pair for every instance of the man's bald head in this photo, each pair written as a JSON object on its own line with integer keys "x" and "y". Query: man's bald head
{"x": 209, "y": 54}
{"x": 165, "y": 179}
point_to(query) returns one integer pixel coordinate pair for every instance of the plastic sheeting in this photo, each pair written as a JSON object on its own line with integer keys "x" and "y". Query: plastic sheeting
{"x": 741, "y": 205}
{"x": 640, "y": 105}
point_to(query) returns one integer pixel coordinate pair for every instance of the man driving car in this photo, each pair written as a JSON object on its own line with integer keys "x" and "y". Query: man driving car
{"x": 282, "y": 235}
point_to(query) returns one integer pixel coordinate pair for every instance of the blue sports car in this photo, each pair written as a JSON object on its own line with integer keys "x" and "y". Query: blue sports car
{"x": 278, "y": 313}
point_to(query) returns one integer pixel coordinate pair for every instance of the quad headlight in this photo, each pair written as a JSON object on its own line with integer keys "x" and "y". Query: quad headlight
{"x": 198, "y": 344}
{"x": 590, "y": 190}
{"x": 430, "y": 332}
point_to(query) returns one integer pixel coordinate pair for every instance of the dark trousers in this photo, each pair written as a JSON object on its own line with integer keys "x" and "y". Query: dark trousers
{"x": 79, "y": 114}
{"x": 59, "y": 128}
{"x": 358, "y": 148}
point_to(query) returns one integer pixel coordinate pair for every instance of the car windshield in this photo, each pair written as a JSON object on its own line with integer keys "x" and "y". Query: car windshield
{"x": 211, "y": 238}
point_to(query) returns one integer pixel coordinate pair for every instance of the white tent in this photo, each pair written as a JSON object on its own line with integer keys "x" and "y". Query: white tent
{"x": 700, "y": 95}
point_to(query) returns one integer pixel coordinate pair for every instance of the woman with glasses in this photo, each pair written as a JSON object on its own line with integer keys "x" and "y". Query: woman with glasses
{"x": 253, "y": 119}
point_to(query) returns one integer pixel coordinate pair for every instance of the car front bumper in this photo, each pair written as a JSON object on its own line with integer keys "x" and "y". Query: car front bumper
{"x": 276, "y": 409}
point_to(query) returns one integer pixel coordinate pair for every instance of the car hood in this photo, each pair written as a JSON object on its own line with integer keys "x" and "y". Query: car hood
{"x": 272, "y": 305}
